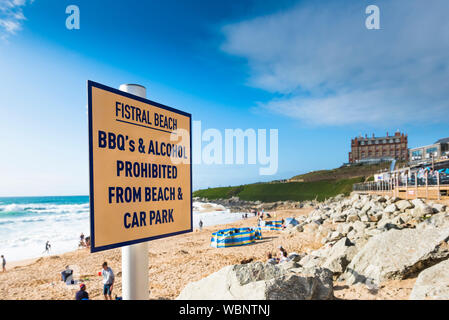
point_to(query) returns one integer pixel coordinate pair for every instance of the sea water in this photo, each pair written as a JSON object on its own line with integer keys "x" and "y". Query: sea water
{"x": 27, "y": 223}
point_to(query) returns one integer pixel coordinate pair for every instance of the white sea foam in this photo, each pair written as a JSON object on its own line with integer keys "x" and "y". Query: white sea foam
{"x": 39, "y": 207}
{"x": 25, "y": 228}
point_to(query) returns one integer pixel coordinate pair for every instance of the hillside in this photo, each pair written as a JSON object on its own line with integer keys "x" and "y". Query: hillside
{"x": 270, "y": 192}
{"x": 342, "y": 172}
{"x": 314, "y": 185}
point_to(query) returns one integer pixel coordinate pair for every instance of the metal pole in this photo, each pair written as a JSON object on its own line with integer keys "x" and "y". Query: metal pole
{"x": 397, "y": 185}
{"x": 391, "y": 186}
{"x": 406, "y": 188}
{"x": 416, "y": 185}
{"x": 438, "y": 183}
{"x": 427, "y": 186}
{"x": 135, "y": 265}
{"x": 394, "y": 184}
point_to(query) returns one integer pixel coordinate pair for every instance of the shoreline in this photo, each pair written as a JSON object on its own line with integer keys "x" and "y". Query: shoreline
{"x": 174, "y": 262}
{"x": 26, "y": 262}
{"x": 24, "y": 253}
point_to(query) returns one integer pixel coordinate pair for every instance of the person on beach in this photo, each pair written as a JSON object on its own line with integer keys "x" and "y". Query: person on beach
{"x": 283, "y": 224}
{"x": 67, "y": 275}
{"x": 82, "y": 293}
{"x": 47, "y": 247}
{"x": 87, "y": 242}
{"x": 283, "y": 256}
{"x": 82, "y": 243}
{"x": 201, "y": 225}
{"x": 108, "y": 281}
{"x": 271, "y": 260}
{"x": 3, "y": 263}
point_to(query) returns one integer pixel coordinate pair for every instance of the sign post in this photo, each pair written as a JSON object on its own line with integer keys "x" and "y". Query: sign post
{"x": 140, "y": 177}
{"x": 135, "y": 283}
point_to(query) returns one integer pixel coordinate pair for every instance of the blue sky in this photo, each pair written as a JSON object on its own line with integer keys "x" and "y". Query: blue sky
{"x": 309, "y": 69}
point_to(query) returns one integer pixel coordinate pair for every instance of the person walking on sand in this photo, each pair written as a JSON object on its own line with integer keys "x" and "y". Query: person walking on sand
{"x": 201, "y": 225}
{"x": 47, "y": 247}
{"x": 108, "y": 281}
{"x": 3, "y": 264}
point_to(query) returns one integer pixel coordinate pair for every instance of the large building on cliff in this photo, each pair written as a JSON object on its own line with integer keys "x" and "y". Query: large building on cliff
{"x": 366, "y": 149}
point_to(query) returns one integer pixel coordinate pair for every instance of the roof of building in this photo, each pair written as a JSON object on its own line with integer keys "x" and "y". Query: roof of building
{"x": 373, "y": 137}
{"x": 444, "y": 140}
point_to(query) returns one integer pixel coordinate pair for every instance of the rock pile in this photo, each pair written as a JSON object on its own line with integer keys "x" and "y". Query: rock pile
{"x": 262, "y": 281}
{"x": 366, "y": 238}
{"x": 360, "y": 217}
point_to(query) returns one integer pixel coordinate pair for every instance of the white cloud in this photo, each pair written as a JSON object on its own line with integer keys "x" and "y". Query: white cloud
{"x": 11, "y": 16}
{"x": 326, "y": 68}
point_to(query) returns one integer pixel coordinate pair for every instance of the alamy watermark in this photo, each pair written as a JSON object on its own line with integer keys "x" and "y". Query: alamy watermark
{"x": 237, "y": 147}
{"x": 73, "y": 20}
{"x": 373, "y": 20}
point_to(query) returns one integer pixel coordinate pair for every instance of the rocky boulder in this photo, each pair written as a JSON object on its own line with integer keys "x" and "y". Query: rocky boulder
{"x": 398, "y": 254}
{"x": 391, "y": 208}
{"x": 261, "y": 281}
{"x": 404, "y": 205}
{"x": 432, "y": 283}
{"x": 421, "y": 208}
{"x": 438, "y": 207}
{"x": 339, "y": 256}
{"x": 439, "y": 220}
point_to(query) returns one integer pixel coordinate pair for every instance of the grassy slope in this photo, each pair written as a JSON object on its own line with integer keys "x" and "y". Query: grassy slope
{"x": 268, "y": 192}
{"x": 342, "y": 173}
{"x": 318, "y": 184}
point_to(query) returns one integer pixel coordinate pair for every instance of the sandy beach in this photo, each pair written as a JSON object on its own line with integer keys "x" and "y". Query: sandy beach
{"x": 174, "y": 262}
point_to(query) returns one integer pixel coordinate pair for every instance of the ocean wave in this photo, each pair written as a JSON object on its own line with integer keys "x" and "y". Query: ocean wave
{"x": 43, "y": 208}
{"x": 45, "y": 218}
{"x": 25, "y": 227}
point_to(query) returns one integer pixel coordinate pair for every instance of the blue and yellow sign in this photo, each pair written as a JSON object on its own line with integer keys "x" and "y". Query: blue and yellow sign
{"x": 140, "y": 169}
